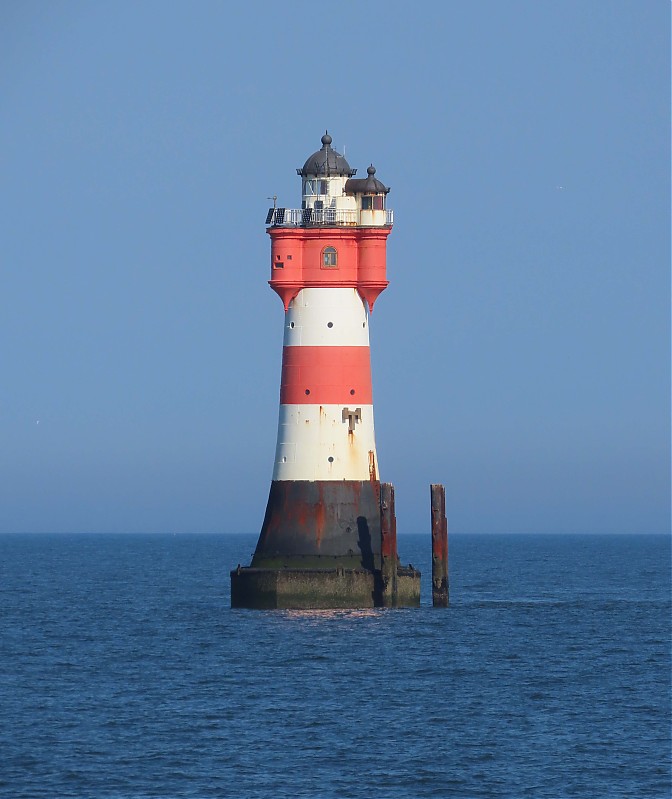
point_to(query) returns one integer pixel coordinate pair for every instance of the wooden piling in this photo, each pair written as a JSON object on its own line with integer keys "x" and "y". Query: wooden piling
{"x": 388, "y": 547}
{"x": 439, "y": 547}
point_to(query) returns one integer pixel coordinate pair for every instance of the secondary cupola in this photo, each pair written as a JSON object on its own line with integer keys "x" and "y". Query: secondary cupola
{"x": 369, "y": 195}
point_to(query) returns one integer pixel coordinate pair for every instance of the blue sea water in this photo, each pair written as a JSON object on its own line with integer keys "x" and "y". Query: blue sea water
{"x": 124, "y": 674}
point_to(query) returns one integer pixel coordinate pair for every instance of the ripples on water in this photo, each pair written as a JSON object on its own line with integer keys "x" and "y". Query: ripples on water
{"x": 125, "y": 674}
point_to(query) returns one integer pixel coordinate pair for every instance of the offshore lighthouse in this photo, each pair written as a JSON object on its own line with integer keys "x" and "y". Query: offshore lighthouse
{"x": 328, "y": 537}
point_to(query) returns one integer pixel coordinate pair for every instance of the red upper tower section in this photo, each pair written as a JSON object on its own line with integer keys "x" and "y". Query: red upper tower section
{"x": 338, "y": 236}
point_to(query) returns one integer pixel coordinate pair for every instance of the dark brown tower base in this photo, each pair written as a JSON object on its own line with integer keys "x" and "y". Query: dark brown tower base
{"x": 327, "y": 545}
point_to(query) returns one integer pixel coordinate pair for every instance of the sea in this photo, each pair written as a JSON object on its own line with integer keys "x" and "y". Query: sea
{"x": 125, "y": 674}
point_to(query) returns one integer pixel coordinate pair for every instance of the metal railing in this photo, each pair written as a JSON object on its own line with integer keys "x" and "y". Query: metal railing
{"x": 308, "y": 217}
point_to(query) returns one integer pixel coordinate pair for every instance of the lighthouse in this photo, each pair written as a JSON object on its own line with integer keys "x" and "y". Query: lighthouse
{"x": 328, "y": 537}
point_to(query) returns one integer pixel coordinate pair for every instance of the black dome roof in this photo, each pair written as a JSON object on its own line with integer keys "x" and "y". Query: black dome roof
{"x": 367, "y": 185}
{"x": 326, "y": 162}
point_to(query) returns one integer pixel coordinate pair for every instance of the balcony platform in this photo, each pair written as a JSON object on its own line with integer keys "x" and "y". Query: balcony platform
{"x": 328, "y": 217}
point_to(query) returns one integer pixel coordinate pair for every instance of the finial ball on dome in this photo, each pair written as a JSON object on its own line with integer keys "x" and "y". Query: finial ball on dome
{"x": 326, "y": 139}
{"x": 371, "y": 170}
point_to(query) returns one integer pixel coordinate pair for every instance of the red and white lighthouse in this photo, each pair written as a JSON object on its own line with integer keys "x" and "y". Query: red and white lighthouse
{"x": 326, "y": 539}
{"x": 328, "y": 266}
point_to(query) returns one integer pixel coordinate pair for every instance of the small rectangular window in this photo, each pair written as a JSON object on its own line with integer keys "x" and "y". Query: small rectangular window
{"x": 323, "y": 187}
{"x": 378, "y": 202}
{"x": 279, "y": 265}
{"x": 367, "y": 203}
{"x": 309, "y": 187}
{"x": 329, "y": 257}
{"x": 289, "y": 257}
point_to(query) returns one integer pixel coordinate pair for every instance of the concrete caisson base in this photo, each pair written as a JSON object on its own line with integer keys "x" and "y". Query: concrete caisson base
{"x": 321, "y": 524}
{"x": 319, "y": 589}
{"x": 327, "y": 544}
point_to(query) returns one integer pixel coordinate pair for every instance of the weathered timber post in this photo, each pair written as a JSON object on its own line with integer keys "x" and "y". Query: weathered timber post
{"x": 388, "y": 545}
{"x": 439, "y": 547}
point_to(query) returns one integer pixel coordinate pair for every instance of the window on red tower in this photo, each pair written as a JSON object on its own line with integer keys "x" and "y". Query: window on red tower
{"x": 329, "y": 258}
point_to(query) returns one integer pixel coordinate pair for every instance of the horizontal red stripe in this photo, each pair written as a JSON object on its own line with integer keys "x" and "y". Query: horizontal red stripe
{"x": 326, "y": 376}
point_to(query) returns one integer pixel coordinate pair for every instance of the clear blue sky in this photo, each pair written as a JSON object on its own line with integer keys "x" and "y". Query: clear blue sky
{"x": 521, "y": 352}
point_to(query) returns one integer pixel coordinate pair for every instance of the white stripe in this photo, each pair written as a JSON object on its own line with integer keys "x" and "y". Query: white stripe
{"x": 327, "y": 317}
{"x": 309, "y": 435}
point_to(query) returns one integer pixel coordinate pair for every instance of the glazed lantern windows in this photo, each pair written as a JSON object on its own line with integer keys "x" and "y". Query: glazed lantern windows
{"x": 315, "y": 187}
{"x": 374, "y": 202}
{"x": 329, "y": 258}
